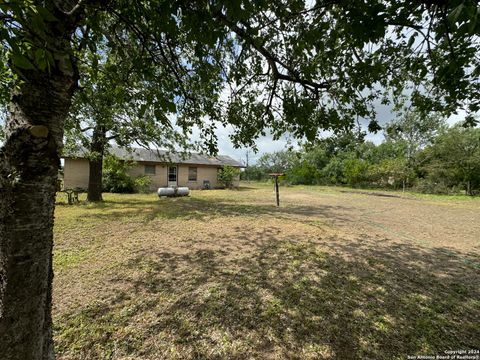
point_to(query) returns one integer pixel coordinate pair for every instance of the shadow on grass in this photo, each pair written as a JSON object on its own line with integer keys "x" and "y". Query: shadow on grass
{"x": 245, "y": 188}
{"x": 189, "y": 208}
{"x": 282, "y": 299}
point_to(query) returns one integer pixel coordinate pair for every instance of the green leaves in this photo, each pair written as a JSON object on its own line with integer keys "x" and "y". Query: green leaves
{"x": 457, "y": 152}
{"x": 21, "y": 61}
{"x": 30, "y": 59}
{"x": 455, "y": 13}
{"x": 470, "y": 121}
{"x": 374, "y": 127}
{"x": 168, "y": 106}
{"x": 282, "y": 66}
{"x": 45, "y": 13}
{"x": 227, "y": 175}
{"x": 44, "y": 59}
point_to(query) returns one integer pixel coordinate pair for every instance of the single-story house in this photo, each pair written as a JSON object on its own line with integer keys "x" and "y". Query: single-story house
{"x": 166, "y": 169}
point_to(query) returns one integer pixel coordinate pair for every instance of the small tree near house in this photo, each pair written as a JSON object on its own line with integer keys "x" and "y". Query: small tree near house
{"x": 227, "y": 175}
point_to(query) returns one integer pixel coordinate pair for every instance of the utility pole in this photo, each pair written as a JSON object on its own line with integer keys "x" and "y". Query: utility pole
{"x": 246, "y": 169}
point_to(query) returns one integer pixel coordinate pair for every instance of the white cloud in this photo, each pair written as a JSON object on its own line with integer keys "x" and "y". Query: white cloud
{"x": 460, "y": 116}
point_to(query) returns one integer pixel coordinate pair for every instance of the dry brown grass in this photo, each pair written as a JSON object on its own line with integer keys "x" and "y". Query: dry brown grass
{"x": 225, "y": 274}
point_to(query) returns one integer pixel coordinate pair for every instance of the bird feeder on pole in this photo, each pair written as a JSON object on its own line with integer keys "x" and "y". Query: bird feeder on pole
{"x": 277, "y": 194}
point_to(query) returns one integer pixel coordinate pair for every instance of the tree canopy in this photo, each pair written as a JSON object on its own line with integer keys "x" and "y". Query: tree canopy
{"x": 288, "y": 65}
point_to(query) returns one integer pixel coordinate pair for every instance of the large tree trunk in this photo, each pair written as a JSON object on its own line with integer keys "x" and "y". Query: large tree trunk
{"x": 97, "y": 149}
{"x": 29, "y": 161}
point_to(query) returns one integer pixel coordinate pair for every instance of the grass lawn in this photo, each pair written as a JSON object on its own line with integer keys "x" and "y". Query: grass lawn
{"x": 224, "y": 274}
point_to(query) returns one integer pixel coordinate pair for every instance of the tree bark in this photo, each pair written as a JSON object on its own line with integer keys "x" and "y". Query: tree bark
{"x": 97, "y": 150}
{"x": 29, "y": 162}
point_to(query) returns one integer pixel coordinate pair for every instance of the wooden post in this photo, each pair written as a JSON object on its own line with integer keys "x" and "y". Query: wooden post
{"x": 276, "y": 191}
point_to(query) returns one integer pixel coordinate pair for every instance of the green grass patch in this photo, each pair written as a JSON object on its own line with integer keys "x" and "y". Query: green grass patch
{"x": 225, "y": 274}
{"x": 66, "y": 259}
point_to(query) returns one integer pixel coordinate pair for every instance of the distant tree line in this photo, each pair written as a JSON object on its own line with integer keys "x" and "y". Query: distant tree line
{"x": 419, "y": 153}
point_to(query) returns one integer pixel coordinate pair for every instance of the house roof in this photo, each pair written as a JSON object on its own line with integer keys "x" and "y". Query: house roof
{"x": 162, "y": 156}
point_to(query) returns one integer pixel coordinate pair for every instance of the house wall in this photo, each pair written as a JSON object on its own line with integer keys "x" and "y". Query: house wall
{"x": 158, "y": 180}
{"x": 209, "y": 173}
{"x": 75, "y": 173}
{"x": 203, "y": 173}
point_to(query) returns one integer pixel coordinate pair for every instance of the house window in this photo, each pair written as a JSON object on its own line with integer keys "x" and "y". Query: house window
{"x": 149, "y": 169}
{"x": 172, "y": 173}
{"x": 192, "y": 174}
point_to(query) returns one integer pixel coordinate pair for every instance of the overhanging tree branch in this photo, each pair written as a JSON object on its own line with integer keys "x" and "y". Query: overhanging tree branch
{"x": 273, "y": 60}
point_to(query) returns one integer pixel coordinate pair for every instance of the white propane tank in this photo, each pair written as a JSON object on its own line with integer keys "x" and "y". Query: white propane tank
{"x": 168, "y": 191}
{"x": 183, "y": 191}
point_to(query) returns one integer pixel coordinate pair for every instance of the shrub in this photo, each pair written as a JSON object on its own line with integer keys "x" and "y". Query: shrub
{"x": 227, "y": 174}
{"x": 115, "y": 176}
{"x": 428, "y": 186}
{"x": 355, "y": 172}
{"x": 303, "y": 173}
{"x": 391, "y": 172}
{"x": 142, "y": 184}
{"x": 333, "y": 171}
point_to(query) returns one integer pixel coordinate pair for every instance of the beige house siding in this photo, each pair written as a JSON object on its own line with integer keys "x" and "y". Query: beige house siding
{"x": 158, "y": 180}
{"x": 203, "y": 173}
{"x": 76, "y": 172}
